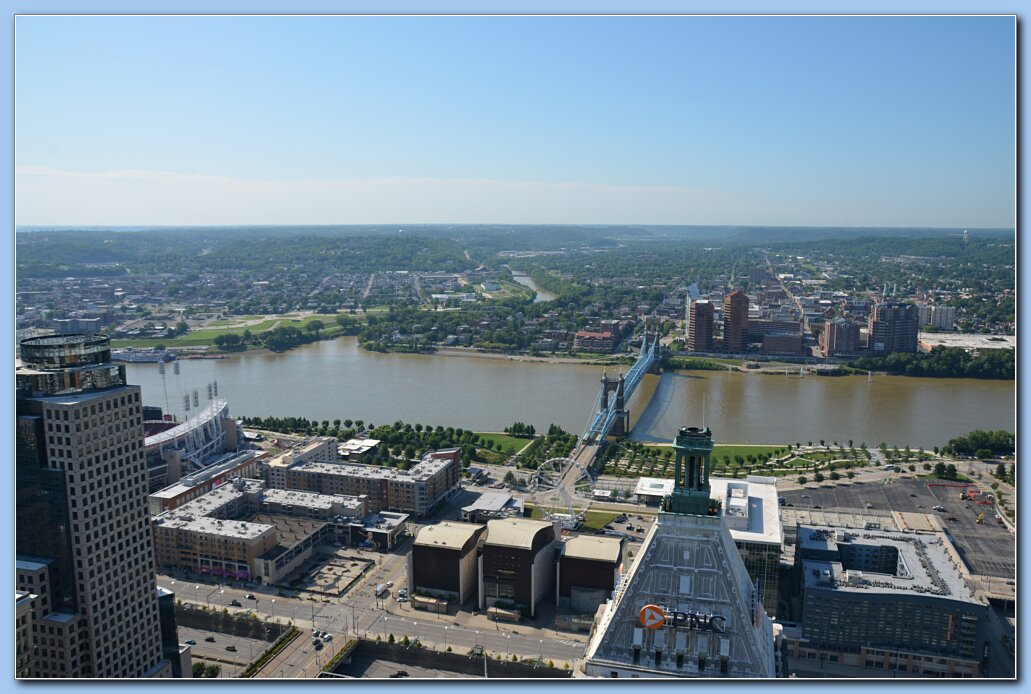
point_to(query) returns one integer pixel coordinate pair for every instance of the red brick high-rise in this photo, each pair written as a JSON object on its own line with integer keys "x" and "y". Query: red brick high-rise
{"x": 735, "y": 321}
{"x": 699, "y": 334}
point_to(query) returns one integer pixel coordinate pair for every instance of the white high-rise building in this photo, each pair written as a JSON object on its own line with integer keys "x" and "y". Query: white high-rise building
{"x": 83, "y": 533}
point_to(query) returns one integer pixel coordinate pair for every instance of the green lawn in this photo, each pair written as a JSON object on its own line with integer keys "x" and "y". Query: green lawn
{"x": 206, "y": 336}
{"x": 505, "y": 441}
{"x": 593, "y": 520}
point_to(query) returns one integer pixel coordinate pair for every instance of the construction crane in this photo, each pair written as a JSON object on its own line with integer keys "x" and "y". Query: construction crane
{"x": 980, "y": 518}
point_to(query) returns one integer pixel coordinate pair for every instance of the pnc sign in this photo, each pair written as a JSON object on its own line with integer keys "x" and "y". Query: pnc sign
{"x": 655, "y": 617}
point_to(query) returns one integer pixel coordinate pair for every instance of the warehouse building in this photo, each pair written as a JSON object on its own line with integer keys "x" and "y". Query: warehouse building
{"x": 588, "y": 571}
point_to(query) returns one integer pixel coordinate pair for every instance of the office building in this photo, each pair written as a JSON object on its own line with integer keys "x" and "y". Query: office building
{"x": 735, "y": 321}
{"x": 887, "y": 601}
{"x": 840, "y": 337}
{"x": 699, "y": 334}
{"x": 943, "y": 317}
{"x": 687, "y": 607}
{"x": 443, "y": 560}
{"x": 893, "y": 327}
{"x": 783, "y": 344}
{"x": 24, "y": 646}
{"x": 178, "y": 654}
{"x": 517, "y": 563}
{"x": 750, "y": 512}
{"x": 83, "y": 539}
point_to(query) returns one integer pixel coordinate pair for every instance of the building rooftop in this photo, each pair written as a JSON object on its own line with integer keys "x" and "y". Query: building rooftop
{"x": 447, "y": 535}
{"x": 930, "y": 340}
{"x": 357, "y": 445}
{"x": 30, "y": 565}
{"x": 593, "y": 547}
{"x": 240, "y": 530}
{"x": 654, "y": 486}
{"x": 751, "y": 508}
{"x": 419, "y": 473}
{"x": 857, "y": 560}
{"x": 514, "y": 532}
{"x": 488, "y": 501}
{"x": 311, "y": 500}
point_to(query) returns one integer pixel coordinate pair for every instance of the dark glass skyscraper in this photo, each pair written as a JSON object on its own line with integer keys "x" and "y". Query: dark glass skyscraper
{"x": 83, "y": 536}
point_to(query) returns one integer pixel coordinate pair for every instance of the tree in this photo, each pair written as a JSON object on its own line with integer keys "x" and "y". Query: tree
{"x": 939, "y": 470}
{"x": 818, "y": 477}
{"x": 212, "y": 670}
{"x": 348, "y": 423}
{"x": 850, "y": 474}
{"x": 802, "y": 479}
{"x": 315, "y": 327}
{"x": 509, "y": 478}
{"x": 1000, "y": 471}
{"x": 835, "y": 476}
{"x": 950, "y": 471}
{"x": 198, "y": 669}
{"x": 983, "y": 453}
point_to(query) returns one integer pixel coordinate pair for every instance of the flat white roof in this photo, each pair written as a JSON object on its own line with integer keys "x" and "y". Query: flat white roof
{"x": 598, "y": 548}
{"x": 757, "y": 497}
{"x": 654, "y": 486}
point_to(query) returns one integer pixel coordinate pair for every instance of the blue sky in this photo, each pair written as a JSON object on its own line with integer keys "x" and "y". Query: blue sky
{"x": 866, "y": 121}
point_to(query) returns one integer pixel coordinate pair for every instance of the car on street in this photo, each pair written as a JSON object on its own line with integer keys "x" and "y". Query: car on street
{"x": 390, "y": 584}
{"x": 250, "y": 596}
{"x": 401, "y": 598}
{"x": 231, "y": 647}
{"x": 400, "y": 673}
{"x": 235, "y": 603}
{"x": 190, "y": 642}
{"x": 209, "y": 639}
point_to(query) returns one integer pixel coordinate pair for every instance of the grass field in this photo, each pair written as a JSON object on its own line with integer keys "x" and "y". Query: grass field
{"x": 593, "y": 520}
{"x": 724, "y": 450}
{"x": 506, "y": 442}
{"x": 206, "y": 336}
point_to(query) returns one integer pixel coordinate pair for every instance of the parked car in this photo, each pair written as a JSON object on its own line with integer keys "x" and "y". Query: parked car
{"x": 318, "y": 645}
{"x": 327, "y": 637}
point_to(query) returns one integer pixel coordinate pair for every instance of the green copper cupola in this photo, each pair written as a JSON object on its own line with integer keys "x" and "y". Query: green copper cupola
{"x": 693, "y": 449}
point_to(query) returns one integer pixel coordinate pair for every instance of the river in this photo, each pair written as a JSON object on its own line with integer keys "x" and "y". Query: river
{"x": 541, "y": 294}
{"x": 335, "y": 379}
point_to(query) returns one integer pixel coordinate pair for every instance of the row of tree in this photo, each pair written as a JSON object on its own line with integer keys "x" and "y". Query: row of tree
{"x": 945, "y": 362}
{"x": 982, "y": 444}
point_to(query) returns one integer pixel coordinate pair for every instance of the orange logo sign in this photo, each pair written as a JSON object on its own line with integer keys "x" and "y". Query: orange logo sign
{"x": 653, "y": 616}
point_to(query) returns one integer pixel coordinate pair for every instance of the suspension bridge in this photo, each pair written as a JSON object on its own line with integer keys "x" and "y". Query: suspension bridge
{"x": 610, "y": 415}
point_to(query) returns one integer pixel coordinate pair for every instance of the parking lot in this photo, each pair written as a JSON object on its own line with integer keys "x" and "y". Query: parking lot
{"x": 987, "y": 548}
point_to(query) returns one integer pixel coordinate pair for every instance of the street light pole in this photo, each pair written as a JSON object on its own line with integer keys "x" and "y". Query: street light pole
{"x": 445, "y": 638}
